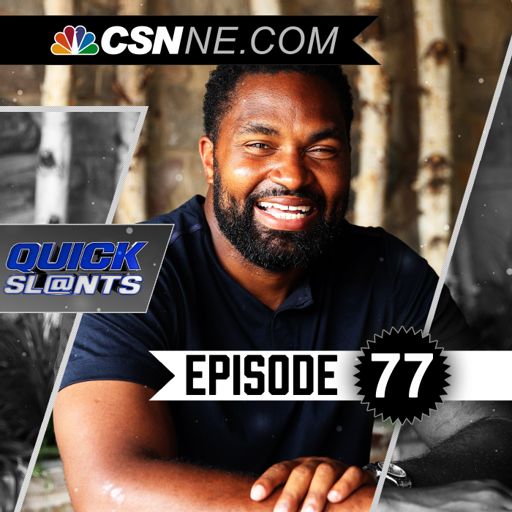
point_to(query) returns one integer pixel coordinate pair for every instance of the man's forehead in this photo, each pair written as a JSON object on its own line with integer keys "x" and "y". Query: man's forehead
{"x": 261, "y": 100}
{"x": 253, "y": 85}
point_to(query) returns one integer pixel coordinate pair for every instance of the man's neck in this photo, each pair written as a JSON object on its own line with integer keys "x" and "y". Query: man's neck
{"x": 270, "y": 288}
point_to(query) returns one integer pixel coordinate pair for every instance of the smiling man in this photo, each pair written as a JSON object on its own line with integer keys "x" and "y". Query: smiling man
{"x": 265, "y": 261}
{"x": 282, "y": 196}
{"x": 280, "y": 176}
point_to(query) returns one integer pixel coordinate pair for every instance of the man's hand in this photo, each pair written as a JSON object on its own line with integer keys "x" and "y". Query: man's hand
{"x": 309, "y": 483}
{"x": 465, "y": 496}
{"x": 359, "y": 501}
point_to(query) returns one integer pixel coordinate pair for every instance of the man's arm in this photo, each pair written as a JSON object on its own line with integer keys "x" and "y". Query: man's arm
{"x": 464, "y": 496}
{"x": 468, "y": 441}
{"x": 117, "y": 448}
{"x": 468, "y": 465}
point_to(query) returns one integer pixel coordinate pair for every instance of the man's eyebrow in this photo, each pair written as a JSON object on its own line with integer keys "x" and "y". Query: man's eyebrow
{"x": 257, "y": 128}
{"x": 327, "y": 133}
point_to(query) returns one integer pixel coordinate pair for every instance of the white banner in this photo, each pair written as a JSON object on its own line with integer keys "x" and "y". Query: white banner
{"x": 314, "y": 375}
{"x": 480, "y": 375}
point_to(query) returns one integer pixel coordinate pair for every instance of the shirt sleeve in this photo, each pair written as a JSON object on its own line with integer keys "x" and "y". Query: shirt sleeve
{"x": 116, "y": 346}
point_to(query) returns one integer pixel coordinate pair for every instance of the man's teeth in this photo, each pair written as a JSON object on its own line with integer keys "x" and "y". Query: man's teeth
{"x": 283, "y": 211}
{"x": 284, "y": 207}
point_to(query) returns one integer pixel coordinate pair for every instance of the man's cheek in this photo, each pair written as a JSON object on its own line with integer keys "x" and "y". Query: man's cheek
{"x": 242, "y": 170}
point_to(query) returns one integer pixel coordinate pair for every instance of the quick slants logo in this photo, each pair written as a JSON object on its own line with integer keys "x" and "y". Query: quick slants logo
{"x": 74, "y": 41}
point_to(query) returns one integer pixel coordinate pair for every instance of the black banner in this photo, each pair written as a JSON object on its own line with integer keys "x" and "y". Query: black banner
{"x": 182, "y": 39}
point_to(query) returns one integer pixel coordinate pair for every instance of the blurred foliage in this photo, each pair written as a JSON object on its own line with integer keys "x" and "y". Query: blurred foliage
{"x": 30, "y": 344}
{"x": 19, "y": 133}
{"x": 49, "y": 448}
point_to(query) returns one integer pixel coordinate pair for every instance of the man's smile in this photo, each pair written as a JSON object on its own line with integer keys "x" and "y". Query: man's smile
{"x": 286, "y": 213}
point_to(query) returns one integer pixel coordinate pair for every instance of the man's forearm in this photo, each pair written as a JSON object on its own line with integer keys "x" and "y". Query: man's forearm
{"x": 148, "y": 485}
{"x": 482, "y": 450}
{"x": 123, "y": 457}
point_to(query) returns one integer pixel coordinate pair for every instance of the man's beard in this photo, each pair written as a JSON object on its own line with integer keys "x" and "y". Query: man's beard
{"x": 271, "y": 249}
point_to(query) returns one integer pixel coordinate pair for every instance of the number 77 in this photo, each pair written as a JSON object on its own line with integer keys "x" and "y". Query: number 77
{"x": 392, "y": 359}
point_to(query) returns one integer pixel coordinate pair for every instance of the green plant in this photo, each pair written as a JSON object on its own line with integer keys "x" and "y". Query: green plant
{"x": 29, "y": 351}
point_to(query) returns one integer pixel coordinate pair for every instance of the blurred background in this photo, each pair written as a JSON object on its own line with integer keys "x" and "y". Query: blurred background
{"x": 60, "y": 167}
{"x": 47, "y": 177}
{"x": 419, "y": 118}
{"x": 480, "y": 270}
{"x": 419, "y": 115}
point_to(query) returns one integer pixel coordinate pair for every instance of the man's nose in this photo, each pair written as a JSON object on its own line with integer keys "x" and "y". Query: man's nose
{"x": 291, "y": 171}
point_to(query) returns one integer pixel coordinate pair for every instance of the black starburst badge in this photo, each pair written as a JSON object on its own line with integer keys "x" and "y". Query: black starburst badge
{"x": 402, "y": 375}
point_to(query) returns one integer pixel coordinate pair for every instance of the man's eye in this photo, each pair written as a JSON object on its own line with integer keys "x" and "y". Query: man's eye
{"x": 322, "y": 151}
{"x": 258, "y": 148}
{"x": 258, "y": 145}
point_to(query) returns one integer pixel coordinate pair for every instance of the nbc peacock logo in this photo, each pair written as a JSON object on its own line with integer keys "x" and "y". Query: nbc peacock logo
{"x": 74, "y": 41}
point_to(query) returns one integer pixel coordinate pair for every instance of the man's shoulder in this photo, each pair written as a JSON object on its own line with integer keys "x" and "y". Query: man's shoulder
{"x": 371, "y": 254}
{"x": 377, "y": 240}
{"x": 187, "y": 218}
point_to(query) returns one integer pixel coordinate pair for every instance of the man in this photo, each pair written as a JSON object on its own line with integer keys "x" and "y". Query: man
{"x": 266, "y": 261}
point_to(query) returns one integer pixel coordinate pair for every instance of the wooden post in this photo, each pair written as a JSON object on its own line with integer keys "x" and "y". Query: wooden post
{"x": 265, "y": 7}
{"x": 373, "y": 89}
{"x": 435, "y": 169}
{"x": 52, "y": 175}
{"x": 131, "y": 89}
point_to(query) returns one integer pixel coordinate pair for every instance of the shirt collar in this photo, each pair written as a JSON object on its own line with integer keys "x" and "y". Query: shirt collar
{"x": 300, "y": 298}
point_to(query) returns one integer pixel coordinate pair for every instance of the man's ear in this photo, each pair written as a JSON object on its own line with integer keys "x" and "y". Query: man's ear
{"x": 206, "y": 152}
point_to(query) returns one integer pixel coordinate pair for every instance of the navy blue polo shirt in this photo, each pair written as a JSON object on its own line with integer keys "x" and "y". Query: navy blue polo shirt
{"x": 367, "y": 282}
